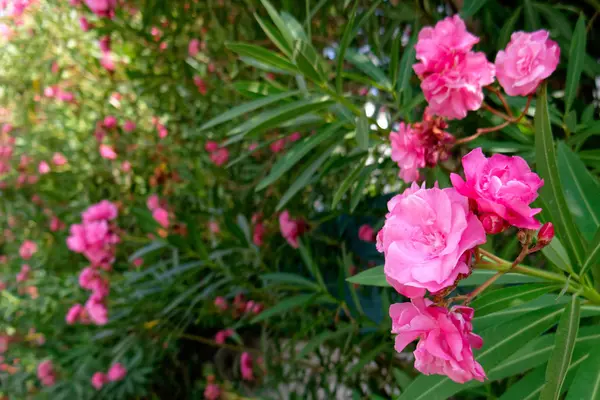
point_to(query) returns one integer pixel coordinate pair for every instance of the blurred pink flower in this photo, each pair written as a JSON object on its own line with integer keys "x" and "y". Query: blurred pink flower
{"x": 56, "y": 224}
{"x": 427, "y": 238}
{"x": 366, "y": 233}
{"x": 221, "y": 303}
{"x": 84, "y": 24}
{"x": 529, "y": 58}
{"x": 27, "y": 249}
{"x": 102, "y": 8}
{"x": 107, "y": 152}
{"x": 220, "y": 156}
{"x": 138, "y": 262}
{"x": 211, "y": 146}
{"x": 153, "y": 202}
{"x": 129, "y": 126}
{"x": 193, "y": 47}
{"x": 96, "y": 311}
{"x": 116, "y": 372}
{"x": 99, "y": 379}
{"x": 408, "y": 152}
{"x": 445, "y": 338}
{"x": 43, "y": 168}
{"x": 294, "y": 137}
{"x": 23, "y": 274}
{"x": 277, "y": 146}
{"x": 222, "y": 335}
{"x": 110, "y": 122}
{"x": 74, "y": 313}
{"x": 258, "y": 233}
{"x": 58, "y": 159}
{"x": 126, "y": 166}
{"x": 213, "y": 226}
{"x": 246, "y": 366}
{"x": 161, "y": 216}
{"x": 201, "y": 85}
{"x": 501, "y": 185}
{"x": 107, "y": 61}
{"x": 45, "y": 373}
{"x": 291, "y": 229}
{"x": 100, "y": 211}
{"x": 212, "y": 392}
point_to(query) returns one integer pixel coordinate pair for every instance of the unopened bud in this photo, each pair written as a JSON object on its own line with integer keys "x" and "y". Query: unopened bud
{"x": 492, "y": 223}
{"x": 522, "y": 237}
{"x": 545, "y": 234}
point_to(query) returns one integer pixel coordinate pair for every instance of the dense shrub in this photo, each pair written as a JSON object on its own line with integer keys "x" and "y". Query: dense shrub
{"x": 242, "y": 199}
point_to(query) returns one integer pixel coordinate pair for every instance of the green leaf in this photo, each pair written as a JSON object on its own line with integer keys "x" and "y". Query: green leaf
{"x": 346, "y": 183}
{"x": 395, "y": 58}
{"x": 532, "y": 19}
{"x": 508, "y": 297}
{"x": 508, "y": 28}
{"x": 272, "y": 118}
{"x": 363, "y": 63}
{"x": 470, "y": 7}
{"x": 293, "y": 279}
{"x": 245, "y": 108}
{"x": 153, "y": 246}
{"x": 284, "y": 306}
{"x": 296, "y": 153}
{"x": 575, "y": 62}
{"x": 279, "y": 23}
{"x": 262, "y": 55}
{"x": 557, "y": 255}
{"x": 309, "y": 62}
{"x": 563, "y": 350}
{"x": 406, "y": 70}
{"x": 321, "y": 338}
{"x": 586, "y": 384}
{"x": 593, "y": 257}
{"x": 372, "y": 277}
{"x": 557, "y": 19}
{"x": 500, "y": 342}
{"x": 581, "y": 191}
{"x": 366, "y": 358}
{"x": 294, "y": 27}
{"x": 479, "y": 276}
{"x": 362, "y": 131}
{"x": 305, "y": 177}
{"x": 358, "y": 191}
{"x": 552, "y": 192}
{"x": 275, "y": 36}
{"x": 345, "y": 42}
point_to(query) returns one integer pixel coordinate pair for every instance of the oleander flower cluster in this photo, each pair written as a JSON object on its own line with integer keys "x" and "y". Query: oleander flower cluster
{"x": 428, "y": 240}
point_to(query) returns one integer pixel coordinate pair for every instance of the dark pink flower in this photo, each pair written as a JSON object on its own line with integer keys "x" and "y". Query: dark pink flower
{"x": 222, "y": 336}
{"x": 102, "y": 8}
{"x": 74, "y": 314}
{"x": 129, "y": 126}
{"x": 366, "y": 233}
{"x": 99, "y": 379}
{"x": 116, "y": 372}
{"x": 220, "y": 156}
{"x": 246, "y": 366}
{"x": 291, "y": 229}
{"x": 277, "y": 146}
{"x": 221, "y": 303}
{"x": 212, "y": 392}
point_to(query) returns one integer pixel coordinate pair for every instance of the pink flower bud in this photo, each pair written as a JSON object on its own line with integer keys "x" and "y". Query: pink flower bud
{"x": 545, "y": 235}
{"x": 492, "y": 223}
{"x": 221, "y": 303}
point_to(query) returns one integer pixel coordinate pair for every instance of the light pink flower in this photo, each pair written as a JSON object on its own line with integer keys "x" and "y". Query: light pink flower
{"x": 84, "y": 24}
{"x": 193, "y": 47}
{"x": 163, "y": 132}
{"x": 129, "y": 126}
{"x": 455, "y": 91}
{"x": 107, "y": 61}
{"x": 246, "y": 366}
{"x": 437, "y": 47}
{"x": 23, "y": 274}
{"x": 104, "y": 210}
{"x": 426, "y": 239}
{"x": 220, "y": 156}
{"x": 126, "y": 167}
{"x": 277, "y": 146}
{"x": 212, "y": 392}
{"x": 102, "y": 8}
{"x": 213, "y": 226}
{"x": 446, "y": 339}
{"x": 291, "y": 229}
{"x": 408, "y": 152}
{"x": 116, "y": 372}
{"x": 222, "y": 335}
{"x": 96, "y": 311}
{"x": 58, "y": 159}
{"x": 99, "y": 379}
{"x": 74, "y": 313}
{"x": 221, "y": 303}
{"x": 528, "y": 59}
{"x": 45, "y": 373}
{"x": 153, "y": 202}
{"x": 501, "y": 185}
{"x": 43, "y": 168}
{"x": 27, "y": 249}
{"x": 161, "y": 216}
{"x": 138, "y": 262}
{"x": 366, "y": 233}
{"x": 107, "y": 152}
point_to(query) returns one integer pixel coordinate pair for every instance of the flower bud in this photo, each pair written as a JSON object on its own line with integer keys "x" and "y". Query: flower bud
{"x": 545, "y": 234}
{"x": 492, "y": 223}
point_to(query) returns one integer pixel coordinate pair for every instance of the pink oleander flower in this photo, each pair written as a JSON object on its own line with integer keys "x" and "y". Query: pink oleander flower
{"x": 220, "y": 156}
{"x": 110, "y": 122}
{"x": 99, "y": 379}
{"x": 96, "y": 311}
{"x": 163, "y": 132}
{"x": 116, "y": 372}
{"x": 500, "y": 185}
{"x": 107, "y": 61}
{"x": 43, "y": 168}
{"x": 211, "y": 146}
{"x": 445, "y": 336}
{"x": 427, "y": 238}
{"x": 258, "y": 233}
{"x": 102, "y": 8}
{"x": 294, "y": 137}
{"x": 455, "y": 91}
{"x": 222, "y": 335}
{"x": 161, "y": 216}
{"x": 528, "y": 59}
{"x": 104, "y": 210}
{"x": 212, "y": 392}
{"x": 107, "y": 152}
{"x": 74, "y": 314}
{"x": 277, "y": 146}
{"x": 129, "y": 126}
{"x": 366, "y": 233}
{"x": 126, "y": 167}
{"x": 291, "y": 229}
{"x": 27, "y": 249}
{"x": 221, "y": 303}
{"x": 437, "y": 47}
{"x": 193, "y": 47}
{"x": 201, "y": 85}
{"x": 23, "y": 274}
{"x": 408, "y": 152}
{"x": 246, "y": 366}
{"x": 104, "y": 44}
{"x": 45, "y": 373}
{"x": 153, "y": 202}
{"x": 58, "y": 159}
{"x": 84, "y": 24}
{"x": 138, "y": 262}
{"x": 213, "y": 226}
{"x": 89, "y": 277}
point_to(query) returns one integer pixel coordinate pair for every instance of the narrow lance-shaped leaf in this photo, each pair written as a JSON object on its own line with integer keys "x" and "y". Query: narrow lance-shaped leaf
{"x": 372, "y": 277}
{"x": 284, "y": 306}
{"x": 346, "y": 39}
{"x": 346, "y": 183}
{"x": 508, "y": 297}
{"x": 471, "y": 7}
{"x": 586, "y": 384}
{"x": 262, "y": 55}
{"x": 575, "y": 65}
{"x": 593, "y": 258}
{"x": 362, "y": 131}
{"x": 563, "y": 350}
{"x": 552, "y": 192}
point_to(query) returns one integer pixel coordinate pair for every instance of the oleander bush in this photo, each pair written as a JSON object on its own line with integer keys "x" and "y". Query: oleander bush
{"x": 316, "y": 199}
